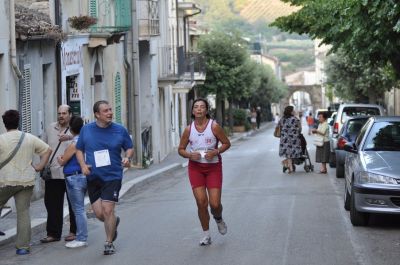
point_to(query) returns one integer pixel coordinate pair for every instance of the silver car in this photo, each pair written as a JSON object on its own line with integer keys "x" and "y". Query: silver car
{"x": 372, "y": 170}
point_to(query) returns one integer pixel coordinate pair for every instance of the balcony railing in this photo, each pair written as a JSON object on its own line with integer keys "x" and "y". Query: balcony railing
{"x": 175, "y": 64}
{"x": 194, "y": 67}
{"x": 148, "y": 18}
{"x": 167, "y": 65}
{"x": 112, "y": 15}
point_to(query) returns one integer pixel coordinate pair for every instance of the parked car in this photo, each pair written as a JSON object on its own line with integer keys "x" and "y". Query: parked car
{"x": 345, "y": 112}
{"x": 347, "y": 134}
{"x": 331, "y": 121}
{"x": 372, "y": 170}
{"x": 316, "y": 114}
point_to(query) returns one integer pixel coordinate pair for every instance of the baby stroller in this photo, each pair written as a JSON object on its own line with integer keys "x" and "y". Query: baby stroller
{"x": 305, "y": 158}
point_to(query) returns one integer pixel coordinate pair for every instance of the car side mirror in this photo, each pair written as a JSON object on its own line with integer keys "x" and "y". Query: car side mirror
{"x": 350, "y": 147}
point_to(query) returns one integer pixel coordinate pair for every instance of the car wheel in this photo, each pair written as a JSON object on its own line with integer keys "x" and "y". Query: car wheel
{"x": 339, "y": 170}
{"x": 346, "y": 198}
{"x": 357, "y": 218}
{"x": 332, "y": 160}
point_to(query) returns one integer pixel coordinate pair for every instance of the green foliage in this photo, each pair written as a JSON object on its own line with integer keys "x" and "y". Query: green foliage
{"x": 367, "y": 31}
{"x": 239, "y": 117}
{"x": 233, "y": 76}
{"x": 358, "y": 81}
{"x": 228, "y": 67}
{"x": 227, "y": 131}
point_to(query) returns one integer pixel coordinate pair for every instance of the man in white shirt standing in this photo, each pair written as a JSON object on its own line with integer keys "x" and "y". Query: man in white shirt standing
{"x": 55, "y": 189}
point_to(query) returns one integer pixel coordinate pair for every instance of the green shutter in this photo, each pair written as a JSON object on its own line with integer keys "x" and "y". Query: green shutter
{"x": 117, "y": 103}
{"x": 26, "y": 116}
{"x": 93, "y": 8}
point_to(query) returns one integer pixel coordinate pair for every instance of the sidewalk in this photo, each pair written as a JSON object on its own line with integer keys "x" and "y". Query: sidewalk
{"x": 133, "y": 178}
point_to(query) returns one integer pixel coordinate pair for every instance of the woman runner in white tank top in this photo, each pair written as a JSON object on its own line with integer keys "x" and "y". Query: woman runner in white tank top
{"x": 205, "y": 166}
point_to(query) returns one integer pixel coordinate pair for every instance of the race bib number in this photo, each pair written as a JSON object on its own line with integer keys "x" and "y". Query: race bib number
{"x": 102, "y": 158}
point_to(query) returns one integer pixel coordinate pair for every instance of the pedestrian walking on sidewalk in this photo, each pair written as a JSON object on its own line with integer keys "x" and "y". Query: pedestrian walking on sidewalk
{"x": 205, "y": 165}
{"x": 290, "y": 143}
{"x": 258, "y": 118}
{"x": 58, "y": 135}
{"x": 76, "y": 184}
{"x": 17, "y": 173}
{"x": 253, "y": 118}
{"x": 99, "y": 154}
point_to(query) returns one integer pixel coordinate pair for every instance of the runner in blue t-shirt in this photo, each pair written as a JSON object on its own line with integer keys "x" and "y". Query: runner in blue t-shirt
{"x": 99, "y": 154}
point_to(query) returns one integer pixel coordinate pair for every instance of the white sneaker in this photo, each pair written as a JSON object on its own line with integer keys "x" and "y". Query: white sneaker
{"x": 222, "y": 228}
{"x": 76, "y": 244}
{"x": 205, "y": 241}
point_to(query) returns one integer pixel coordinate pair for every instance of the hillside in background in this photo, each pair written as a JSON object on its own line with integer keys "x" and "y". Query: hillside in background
{"x": 251, "y": 18}
{"x": 268, "y": 10}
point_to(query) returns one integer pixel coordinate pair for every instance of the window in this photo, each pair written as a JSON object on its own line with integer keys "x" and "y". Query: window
{"x": 359, "y": 111}
{"x": 384, "y": 136}
{"x": 361, "y": 135}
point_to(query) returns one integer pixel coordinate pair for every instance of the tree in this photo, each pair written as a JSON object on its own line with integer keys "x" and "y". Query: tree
{"x": 366, "y": 30}
{"x": 229, "y": 73}
{"x": 355, "y": 81}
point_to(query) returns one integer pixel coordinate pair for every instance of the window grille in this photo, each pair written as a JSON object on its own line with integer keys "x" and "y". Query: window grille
{"x": 26, "y": 116}
{"x": 117, "y": 98}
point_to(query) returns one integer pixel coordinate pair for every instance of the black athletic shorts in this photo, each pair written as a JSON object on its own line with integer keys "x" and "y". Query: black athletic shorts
{"x": 104, "y": 190}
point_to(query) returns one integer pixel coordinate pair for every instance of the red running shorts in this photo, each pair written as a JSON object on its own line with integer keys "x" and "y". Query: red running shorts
{"x": 207, "y": 175}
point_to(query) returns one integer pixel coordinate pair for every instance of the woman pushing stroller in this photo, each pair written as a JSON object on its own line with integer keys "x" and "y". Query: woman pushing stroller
{"x": 290, "y": 143}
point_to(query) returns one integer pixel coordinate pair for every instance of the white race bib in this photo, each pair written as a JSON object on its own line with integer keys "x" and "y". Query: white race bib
{"x": 102, "y": 158}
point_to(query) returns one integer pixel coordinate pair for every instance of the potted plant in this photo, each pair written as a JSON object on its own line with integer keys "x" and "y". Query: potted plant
{"x": 239, "y": 120}
{"x": 82, "y": 22}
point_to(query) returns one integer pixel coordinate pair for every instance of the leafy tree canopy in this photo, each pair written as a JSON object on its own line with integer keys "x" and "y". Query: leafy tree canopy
{"x": 355, "y": 81}
{"x": 226, "y": 63}
{"x": 366, "y": 30}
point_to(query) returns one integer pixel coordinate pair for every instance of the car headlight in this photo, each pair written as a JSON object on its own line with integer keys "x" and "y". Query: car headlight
{"x": 366, "y": 177}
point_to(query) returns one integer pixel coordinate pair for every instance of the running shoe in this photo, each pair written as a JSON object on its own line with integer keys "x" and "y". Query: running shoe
{"x": 116, "y": 226}
{"x": 222, "y": 228}
{"x": 76, "y": 244}
{"x": 22, "y": 251}
{"x": 205, "y": 241}
{"x": 109, "y": 248}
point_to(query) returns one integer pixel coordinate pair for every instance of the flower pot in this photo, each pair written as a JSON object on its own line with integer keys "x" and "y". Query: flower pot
{"x": 239, "y": 128}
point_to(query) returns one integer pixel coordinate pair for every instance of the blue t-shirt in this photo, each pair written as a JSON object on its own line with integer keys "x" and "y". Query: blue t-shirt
{"x": 113, "y": 139}
{"x": 72, "y": 166}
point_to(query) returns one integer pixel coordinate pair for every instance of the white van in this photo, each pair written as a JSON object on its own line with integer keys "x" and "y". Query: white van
{"x": 346, "y": 111}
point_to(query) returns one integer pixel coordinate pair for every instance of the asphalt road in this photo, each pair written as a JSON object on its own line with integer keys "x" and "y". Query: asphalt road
{"x": 272, "y": 218}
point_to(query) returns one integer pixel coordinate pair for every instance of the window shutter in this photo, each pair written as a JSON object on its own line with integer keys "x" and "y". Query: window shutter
{"x": 26, "y": 117}
{"x": 117, "y": 97}
{"x": 93, "y": 8}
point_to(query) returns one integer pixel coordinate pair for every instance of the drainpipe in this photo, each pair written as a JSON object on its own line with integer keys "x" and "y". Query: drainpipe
{"x": 177, "y": 22}
{"x": 57, "y": 21}
{"x": 13, "y": 41}
{"x": 184, "y": 25}
{"x": 129, "y": 82}
{"x": 136, "y": 86}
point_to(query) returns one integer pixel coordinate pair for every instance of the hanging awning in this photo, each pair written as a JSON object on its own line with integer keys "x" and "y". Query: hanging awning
{"x": 182, "y": 87}
{"x": 96, "y": 42}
